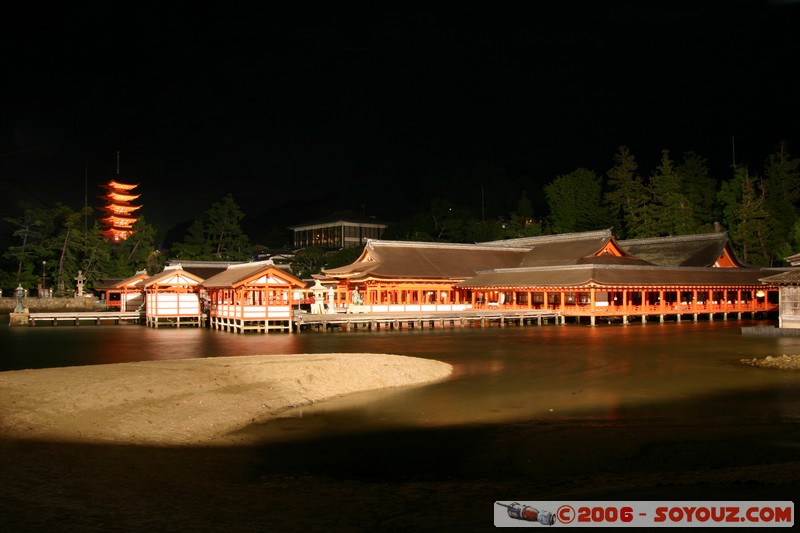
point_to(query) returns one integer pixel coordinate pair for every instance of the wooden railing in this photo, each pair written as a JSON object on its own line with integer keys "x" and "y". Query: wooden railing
{"x": 647, "y": 309}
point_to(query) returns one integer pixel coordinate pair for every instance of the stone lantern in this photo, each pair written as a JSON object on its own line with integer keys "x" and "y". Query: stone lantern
{"x": 19, "y": 294}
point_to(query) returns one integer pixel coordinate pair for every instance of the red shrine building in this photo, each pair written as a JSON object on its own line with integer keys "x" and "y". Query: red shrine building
{"x": 589, "y": 274}
{"x": 119, "y": 219}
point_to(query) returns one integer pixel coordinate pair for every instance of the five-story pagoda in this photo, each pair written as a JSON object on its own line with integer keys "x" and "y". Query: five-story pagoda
{"x": 119, "y": 219}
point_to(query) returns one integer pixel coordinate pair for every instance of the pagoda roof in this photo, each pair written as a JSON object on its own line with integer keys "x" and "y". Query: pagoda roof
{"x": 703, "y": 249}
{"x": 120, "y": 208}
{"x": 117, "y": 233}
{"x": 119, "y": 220}
{"x": 114, "y": 184}
{"x": 120, "y": 197}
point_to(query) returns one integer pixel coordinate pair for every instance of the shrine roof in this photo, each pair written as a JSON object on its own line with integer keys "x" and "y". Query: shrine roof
{"x": 789, "y": 277}
{"x": 203, "y": 269}
{"x": 401, "y": 259}
{"x": 118, "y": 283}
{"x": 238, "y": 274}
{"x": 169, "y": 273}
{"x": 793, "y": 260}
{"x": 530, "y": 242}
{"x": 616, "y": 275}
{"x": 684, "y": 250}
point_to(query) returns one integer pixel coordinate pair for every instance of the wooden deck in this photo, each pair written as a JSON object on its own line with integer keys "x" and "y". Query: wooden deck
{"x": 76, "y": 318}
{"x": 419, "y": 320}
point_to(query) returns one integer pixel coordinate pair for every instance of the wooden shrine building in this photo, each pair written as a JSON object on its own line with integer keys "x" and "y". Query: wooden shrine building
{"x": 788, "y": 284}
{"x": 255, "y": 296}
{"x": 172, "y": 297}
{"x": 125, "y": 294}
{"x": 588, "y": 274}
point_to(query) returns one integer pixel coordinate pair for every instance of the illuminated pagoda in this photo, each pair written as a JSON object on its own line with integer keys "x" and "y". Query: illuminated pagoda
{"x": 119, "y": 219}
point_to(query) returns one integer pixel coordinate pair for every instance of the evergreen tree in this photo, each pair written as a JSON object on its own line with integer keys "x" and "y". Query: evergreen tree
{"x": 671, "y": 210}
{"x": 224, "y": 232}
{"x": 96, "y": 256}
{"x": 700, "y": 191}
{"x": 137, "y": 252}
{"x": 307, "y": 262}
{"x": 194, "y": 245}
{"x": 627, "y": 194}
{"x": 29, "y": 232}
{"x": 67, "y": 244}
{"x": 522, "y": 223}
{"x": 574, "y": 202}
{"x": 744, "y": 214}
{"x": 782, "y": 194}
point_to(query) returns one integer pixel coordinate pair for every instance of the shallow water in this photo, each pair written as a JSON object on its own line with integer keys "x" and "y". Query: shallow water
{"x": 500, "y": 374}
{"x": 651, "y": 412}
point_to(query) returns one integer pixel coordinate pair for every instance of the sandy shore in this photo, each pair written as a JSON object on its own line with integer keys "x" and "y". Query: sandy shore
{"x": 188, "y": 401}
{"x": 153, "y": 446}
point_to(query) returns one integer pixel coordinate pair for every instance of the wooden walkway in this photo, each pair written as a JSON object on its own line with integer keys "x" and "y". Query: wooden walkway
{"x": 92, "y": 317}
{"x": 418, "y": 320}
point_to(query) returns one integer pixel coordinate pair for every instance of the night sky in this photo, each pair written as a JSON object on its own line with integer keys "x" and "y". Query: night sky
{"x": 380, "y": 109}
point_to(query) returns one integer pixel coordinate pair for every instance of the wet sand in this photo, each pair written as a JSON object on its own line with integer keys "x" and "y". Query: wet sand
{"x": 115, "y": 478}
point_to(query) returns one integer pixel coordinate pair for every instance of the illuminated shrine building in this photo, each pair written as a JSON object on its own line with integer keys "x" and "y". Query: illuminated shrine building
{"x": 119, "y": 219}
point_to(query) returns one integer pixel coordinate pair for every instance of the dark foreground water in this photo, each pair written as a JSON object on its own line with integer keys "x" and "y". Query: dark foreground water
{"x": 641, "y": 412}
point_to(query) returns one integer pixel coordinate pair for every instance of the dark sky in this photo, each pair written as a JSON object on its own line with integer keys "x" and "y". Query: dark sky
{"x": 382, "y": 108}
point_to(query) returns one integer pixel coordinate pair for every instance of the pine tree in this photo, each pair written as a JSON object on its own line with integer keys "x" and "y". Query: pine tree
{"x": 574, "y": 201}
{"x": 671, "y": 210}
{"x": 225, "y": 235}
{"x": 699, "y": 189}
{"x": 627, "y": 195}
{"x": 782, "y": 194}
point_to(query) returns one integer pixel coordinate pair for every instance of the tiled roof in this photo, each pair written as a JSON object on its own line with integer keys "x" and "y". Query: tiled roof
{"x": 168, "y": 273}
{"x": 398, "y": 259}
{"x": 684, "y": 250}
{"x": 615, "y": 275}
{"x": 135, "y": 280}
{"x": 530, "y": 242}
{"x": 789, "y": 277}
{"x": 203, "y": 269}
{"x": 235, "y": 275}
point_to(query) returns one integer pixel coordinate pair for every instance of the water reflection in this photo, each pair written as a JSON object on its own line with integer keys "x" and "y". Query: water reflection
{"x": 501, "y": 374}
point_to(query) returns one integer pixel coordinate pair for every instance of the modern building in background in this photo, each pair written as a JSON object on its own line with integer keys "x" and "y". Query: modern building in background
{"x": 340, "y": 230}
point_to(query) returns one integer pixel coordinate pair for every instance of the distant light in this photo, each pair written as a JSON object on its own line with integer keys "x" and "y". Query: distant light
{"x": 760, "y": 294}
